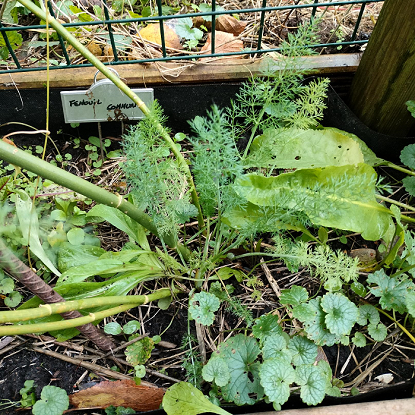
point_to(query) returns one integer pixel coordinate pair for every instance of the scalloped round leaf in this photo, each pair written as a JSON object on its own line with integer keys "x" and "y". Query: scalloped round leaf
{"x": 53, "y": 401}
{"x": 203, "y": 306}
{"x": 274, "y": 345}
{"x": 408, "y": 156}
{"x": 131, "y": 327}
{"x": 240, "y": 354}
{"x": 216, "y": 370}
{"x": 303, "y": 351}
{"x": 377, "y": 332}
{"x": 276, "y": 377}
{"x": 341, "y": 315}
{"x": 313, "y": 384}
{"x": 265, "y": 326}
{"x": 409, "y": 183}
{"x": 368, "y": 312}
{"x": 140, "y": 371}
{"x": 294, "y": 296}
{"x": 410, "y": 302}
{"x": 359, "y": 340}
{"x": 184, "y": 398}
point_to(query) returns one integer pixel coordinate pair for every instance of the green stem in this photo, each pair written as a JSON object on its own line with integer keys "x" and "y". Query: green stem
{"x": 399, "y": 168}
{"x": 398, "y": 324}
{"x": 127, "y": 91}
{"x": 395, "y": 202}
{"x": 45, "y": 310}
{"x": 20, "y": 158}
{"x": 61, "y": 325}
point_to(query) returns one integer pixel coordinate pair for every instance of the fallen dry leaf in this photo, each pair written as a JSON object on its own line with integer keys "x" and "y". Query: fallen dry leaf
{"x": 224, "y": 43}
{"x": 94, "y": 48}
{"x": 229, "y": 24}
{"x": 152, "y": 34}
{"x": 118, "y": 393}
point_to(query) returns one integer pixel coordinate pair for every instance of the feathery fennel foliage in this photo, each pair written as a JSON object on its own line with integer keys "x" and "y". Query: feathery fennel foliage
{"x": 156, "y": 178}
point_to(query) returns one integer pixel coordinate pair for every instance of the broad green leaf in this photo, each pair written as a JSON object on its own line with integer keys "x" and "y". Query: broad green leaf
{"x": 76, "y": 236}
{"x": 340, "y": 197}
{"x": 53, "y": 401}
{"x": 276, "y": 377}
{"x": 359, "y": 339}
{"x": 368, "y": 312}
{"x": 275, "y": 346}
{"x": 184, "y": 399}
{"x": 113, "y": 328}
{"x": 29, "y": 227}
{"x": 411, "y": 107}
{"x": 303, "y": 351}
{"x": 216, "y": 370}
{"x": 294, "y": 296}
{"x": 6, "y": 285}
{"x": 13, "y": 299}
{"x": 139, "y": 352}
{"x": 265, "y": 326}
{"x": 225, "y": 273}
{"x": 123, "y": 222}
{"x": 184, "y": 29}
{"x": 203, "y": 306}
{"x": 295, "y": 148}
{"x": 391, "y": 290}
{"x": 342, "y": 314}
{"x": 140, "y": 371}
{"x": 378, "y": 332}
{"x": 131, "y": 327}
{"x": 240, "y": 354}
{"x": 164, "y": 303}
{"x": 358, "y": 289}
{"x": 313, "y": 383}
{"x": 409, "y": 184}
{"x": 408, "y": 156}
{"x": 15, "y": 39}
{"x": 71, "y": 255}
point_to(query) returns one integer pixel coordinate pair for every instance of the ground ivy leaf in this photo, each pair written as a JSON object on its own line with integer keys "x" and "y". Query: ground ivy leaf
{"x": 409, "y": 184}
{"x": 408, "y": 156}
{"x": 359, "y": 339}
{"x": 377, "y": 332}
{"x": 368, "y": 312}
{"x": 203, "y": 306}
{"x": 240, "y": 353}
{"x": 303, "y": 351}
{"x": 216, "y": 370}
{"x": 184, "y": 398}
{"x": 53, "y": 401}
{"x": 276, "y": 346}
{"x": 276, "y": 377}
{"x": 313, "y": 384}
{"x": 341, "y": 315}
{"x": 391, "y": 290}
{"x": 294, "y": 296}
{"x": 265, "y": 326}
{"x": 315, "y": 324}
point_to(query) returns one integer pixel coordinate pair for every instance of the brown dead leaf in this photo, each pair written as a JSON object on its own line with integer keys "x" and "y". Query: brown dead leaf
{"x": 229, "y": 24}
{"x": 94, "y": 48}
{"x": 224, "y": 43}
{"x": 152, "y": 34}
{"x": 119, "y": 393}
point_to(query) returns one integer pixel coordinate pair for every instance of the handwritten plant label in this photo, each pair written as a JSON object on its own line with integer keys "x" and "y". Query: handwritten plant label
{"x": 103, "y": 101}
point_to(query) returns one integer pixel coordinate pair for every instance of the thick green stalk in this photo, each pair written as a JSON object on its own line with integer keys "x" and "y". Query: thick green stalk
{"x": 45, "y": 310}
{"x": 17, "y": 329}
{"x": 399, "y": 168}
{"x": 127, "y": 91}
{"x": 20, "y": 158}
{"x": 395, "y": 202}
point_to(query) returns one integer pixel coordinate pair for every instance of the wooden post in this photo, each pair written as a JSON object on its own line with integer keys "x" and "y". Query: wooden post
{"x": 385, "y": 79}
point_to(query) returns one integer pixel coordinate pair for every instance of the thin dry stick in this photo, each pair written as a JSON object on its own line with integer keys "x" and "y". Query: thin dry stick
{"x": 14, "y": 266}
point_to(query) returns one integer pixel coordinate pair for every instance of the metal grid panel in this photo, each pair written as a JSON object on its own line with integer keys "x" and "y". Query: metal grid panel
{"x": 108, "y": 23}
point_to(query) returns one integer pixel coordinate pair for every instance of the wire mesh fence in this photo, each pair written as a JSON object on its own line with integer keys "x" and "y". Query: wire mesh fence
{"x": 175, "y": 30}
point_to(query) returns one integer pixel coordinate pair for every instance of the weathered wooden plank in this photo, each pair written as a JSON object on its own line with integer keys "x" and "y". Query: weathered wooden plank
{"x": 385, "y": 79}
{"x": 178, "y": 73}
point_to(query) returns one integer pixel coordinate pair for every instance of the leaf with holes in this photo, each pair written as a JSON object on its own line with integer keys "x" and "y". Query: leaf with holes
{"x": 216, "y": 370}
{"x": 265, "y": 326}
{"x": 342, "y": 314}
{"x": 294, "y": 296}
{"x": 303, "y": 351}
{"x": 184, "y": 398}
{"x": 240, "y": 354}
{"x": 276, "y": 377}
{"x": 203, "y": 306}
{"x": 139, "y": 352}
{"x": 313, "y": 383}
{"x": 391, "y": 290}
